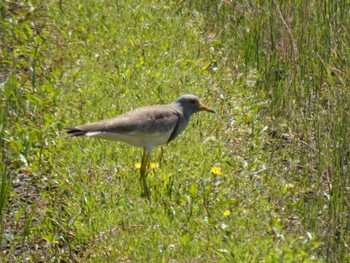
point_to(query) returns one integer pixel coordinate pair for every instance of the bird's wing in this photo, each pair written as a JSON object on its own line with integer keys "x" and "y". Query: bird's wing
{"x": 151, "y": 119}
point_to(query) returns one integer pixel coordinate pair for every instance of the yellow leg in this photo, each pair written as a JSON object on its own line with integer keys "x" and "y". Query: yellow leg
{"x": 143, "y": 172}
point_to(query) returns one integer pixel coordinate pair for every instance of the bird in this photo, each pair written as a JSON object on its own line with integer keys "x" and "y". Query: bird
{"x": 145, "y": 127}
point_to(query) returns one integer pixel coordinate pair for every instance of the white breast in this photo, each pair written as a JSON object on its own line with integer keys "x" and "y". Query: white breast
{"x": 145, "y": 140}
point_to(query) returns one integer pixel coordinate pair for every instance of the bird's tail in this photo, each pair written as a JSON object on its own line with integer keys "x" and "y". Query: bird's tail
{"x": 74, "y": 131}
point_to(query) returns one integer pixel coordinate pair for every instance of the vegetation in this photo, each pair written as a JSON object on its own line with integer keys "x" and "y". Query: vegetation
{"x": 265, "y": 180}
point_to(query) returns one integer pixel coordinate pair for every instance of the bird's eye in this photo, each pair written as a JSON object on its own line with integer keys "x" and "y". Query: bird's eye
{"x": 193, "y": 101}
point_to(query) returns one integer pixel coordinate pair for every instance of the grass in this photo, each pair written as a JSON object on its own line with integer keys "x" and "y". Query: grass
{"x": 265, "y": 180}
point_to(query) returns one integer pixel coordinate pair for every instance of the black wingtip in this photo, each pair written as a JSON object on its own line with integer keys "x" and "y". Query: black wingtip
{"x": 74, "y": 131}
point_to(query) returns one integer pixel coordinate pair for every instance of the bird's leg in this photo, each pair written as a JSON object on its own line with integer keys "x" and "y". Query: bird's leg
{"x": 143, "y": 172}
{"x": 161, "y": 156}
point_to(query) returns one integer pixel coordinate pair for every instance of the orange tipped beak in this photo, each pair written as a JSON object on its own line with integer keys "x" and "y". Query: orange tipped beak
{"x": 202, "y": 107}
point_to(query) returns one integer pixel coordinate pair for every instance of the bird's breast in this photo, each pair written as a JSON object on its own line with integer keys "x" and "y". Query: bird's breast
{"x": 137, "y": 139}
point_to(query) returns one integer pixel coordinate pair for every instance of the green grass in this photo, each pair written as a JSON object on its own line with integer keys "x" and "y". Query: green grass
{"x": 276, "y": 72}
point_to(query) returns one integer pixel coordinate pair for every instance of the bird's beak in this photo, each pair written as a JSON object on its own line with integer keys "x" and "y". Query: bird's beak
{"x": 202, "y": 107}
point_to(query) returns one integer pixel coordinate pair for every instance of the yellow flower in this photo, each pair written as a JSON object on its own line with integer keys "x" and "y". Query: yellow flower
{"x": 247, "y": 118}
{"x": 262, "y": 94}
{"x": 216, "y": 170}
{"x": 154, "y": 165}
{"x": 227, "y": 213}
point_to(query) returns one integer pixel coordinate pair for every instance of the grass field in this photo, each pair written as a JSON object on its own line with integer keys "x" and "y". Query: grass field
{"x": 266, "y": 179}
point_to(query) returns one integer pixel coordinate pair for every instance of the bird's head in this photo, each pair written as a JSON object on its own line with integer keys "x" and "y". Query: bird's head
{"x": 192, "y": 104}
